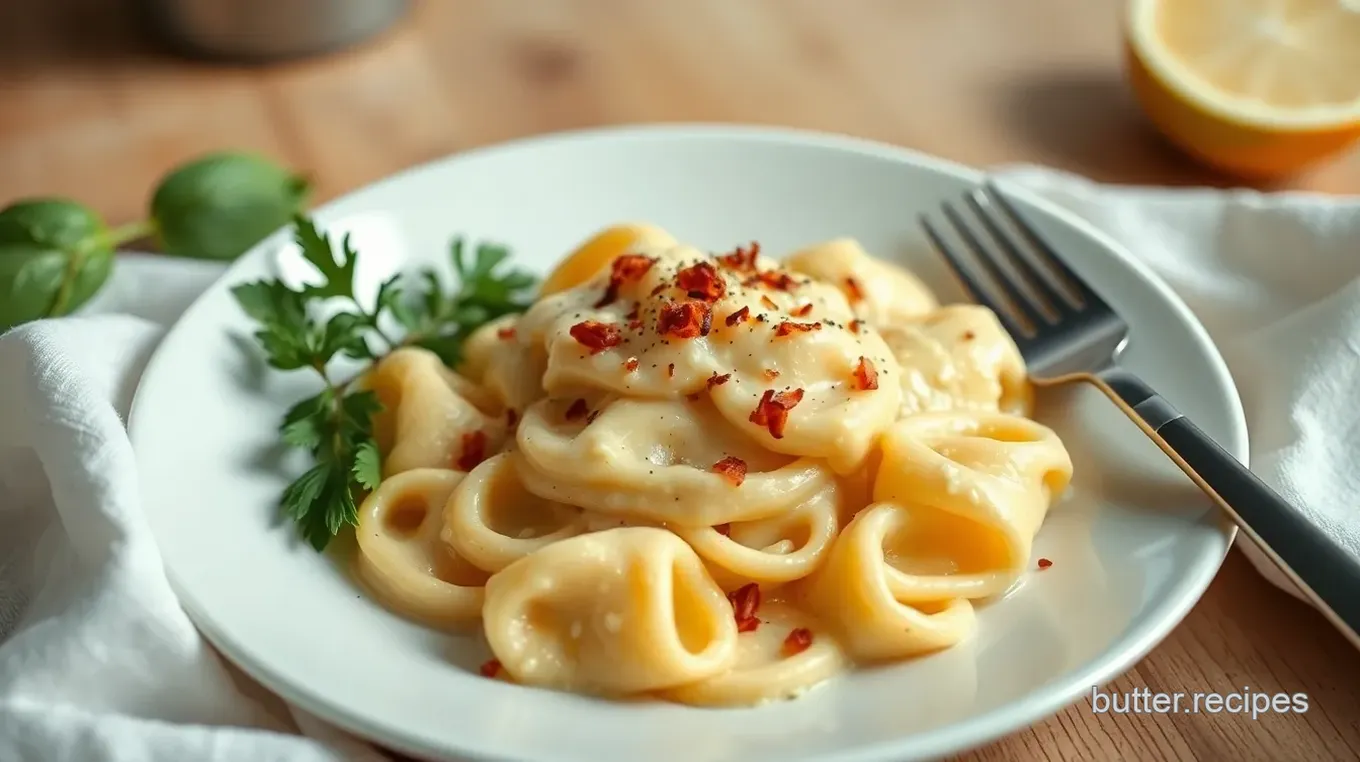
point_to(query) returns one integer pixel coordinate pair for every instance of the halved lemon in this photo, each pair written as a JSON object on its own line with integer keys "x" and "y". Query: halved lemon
{"x": 604, "y": 247}
{"x": 1258, "y": 88}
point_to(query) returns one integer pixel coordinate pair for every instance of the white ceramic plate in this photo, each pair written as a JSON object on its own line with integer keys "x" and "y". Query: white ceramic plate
{"x": 1133, "y": 546}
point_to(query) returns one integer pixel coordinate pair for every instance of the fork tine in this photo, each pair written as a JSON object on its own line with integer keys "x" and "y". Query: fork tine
{"x": 1018, "y": 300}
{"x": 964, "y": 273}
{"x": 1042, "y": 249}
{"x": 1051, "y": 298}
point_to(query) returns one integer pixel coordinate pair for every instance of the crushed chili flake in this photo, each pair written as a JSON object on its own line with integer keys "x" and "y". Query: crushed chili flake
{"x": 596, "y": 336}
{"x": 855, "y": 324}
{"x": 772, "y": 411}
{"x": 803, "y": 311}
{"x": 866, "y": 375}
{"x": 660, "y": 287}
{"x": 631, "y": 364}
{"x": 716, "y": 380}
{"x": 723, "y": 529}
{"x": 854, "y": 290}
{"x": 578, "y": 409}
{"x": 1044, "y": 563}
{"x": 633, "y": 313}
{"x": 670, "y": 370}
{"x": 591, "y": 418}
{"x": 634, "y": 325}
{"x": 745, "y": 602}
{"x": 694, "y": 396}
{"x": 785, "y": 328}
{"x": 511, "y": 417}
{"x": 474, "y": 450}
{"x": 701, "y": 281}
{"x": 798, "y": 641}
{"x": 777, "y": 280}
{"x": 969, "y": 335}
{"x": 732, "y": 469}
{"x": 768, "y": 302}
{"x": 629, "y": 267}
{"x": 738, "y": 316}
{"x": 507, "y": 333}
{"x": 771, "y": 374}
{"x": 685, "y": 320}
{"x": 743, "y": 258}
{"x": 491, "y": 668}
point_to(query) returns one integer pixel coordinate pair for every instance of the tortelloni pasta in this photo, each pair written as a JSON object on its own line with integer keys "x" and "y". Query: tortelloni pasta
{"x": 709, "y": 478}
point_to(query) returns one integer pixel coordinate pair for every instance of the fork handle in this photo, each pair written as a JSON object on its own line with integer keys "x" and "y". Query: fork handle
{"x": 1323, "y": 570}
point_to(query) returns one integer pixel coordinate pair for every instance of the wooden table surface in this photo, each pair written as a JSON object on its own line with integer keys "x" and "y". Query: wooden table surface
{"x": 90, "y": 108}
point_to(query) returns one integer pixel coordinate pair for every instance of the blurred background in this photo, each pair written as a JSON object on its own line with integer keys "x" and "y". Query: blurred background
{"x": 97, "y": 104}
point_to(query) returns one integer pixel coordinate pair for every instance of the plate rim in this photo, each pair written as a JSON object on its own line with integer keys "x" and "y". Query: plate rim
{"x": 971, "y": 733}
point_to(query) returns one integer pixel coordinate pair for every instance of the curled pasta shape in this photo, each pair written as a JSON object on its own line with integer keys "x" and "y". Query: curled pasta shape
{"x": 770, "y": 551}
{"x": 401, "y": 558}
{"x": 492, "y": 521}
{"x": 959, "y": 358}
{"x": 615, "y": 612}
{"x": 857, "y": 594}
{"x": 973, "y": 490}
{"x": 881, "y": 293}
{"x": 654, "y": 459}
{"x": 765, "y": 670}
{"x": 509, "y": 367}
{"x": 427, "y": 410}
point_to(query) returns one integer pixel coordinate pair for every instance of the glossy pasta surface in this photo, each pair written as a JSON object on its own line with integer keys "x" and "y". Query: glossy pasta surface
{"x": 717, "y": 479}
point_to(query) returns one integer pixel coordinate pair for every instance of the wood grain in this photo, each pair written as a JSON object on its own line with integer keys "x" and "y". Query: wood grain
{"x": 90, "y": 108}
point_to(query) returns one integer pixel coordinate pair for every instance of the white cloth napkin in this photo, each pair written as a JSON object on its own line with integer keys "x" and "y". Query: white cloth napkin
{"x": 98, "y": 663}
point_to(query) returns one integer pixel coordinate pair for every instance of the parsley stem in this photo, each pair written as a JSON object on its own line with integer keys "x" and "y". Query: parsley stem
{"x": 131, "y": 232}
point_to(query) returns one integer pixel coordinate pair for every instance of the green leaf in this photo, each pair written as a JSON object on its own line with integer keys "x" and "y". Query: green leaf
{"x": 344, "y": 333}
{"x": 449, "y": 347}
{"x": 54, "y": 256}
{"x": 307, "y": 423}
{"x": 359, "y": 409}
{"x": 337, "y": 276}
{"x": 220, "y": 205}
{"x": 51, "y": 223}
{"x": 367, "y": 465}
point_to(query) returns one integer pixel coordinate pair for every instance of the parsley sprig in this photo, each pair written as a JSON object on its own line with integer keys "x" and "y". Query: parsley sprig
{"x": 336, "y": 425}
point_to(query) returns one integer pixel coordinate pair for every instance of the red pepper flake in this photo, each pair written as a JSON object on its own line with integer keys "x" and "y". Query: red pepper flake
{"x": 507, "y": 333}
{"x": 854, "y": 290}
{"x": 969, "y": 335}
{"x": 1044, "y": 563}
{"x": 685, "y": 320}
{"x": 694, "y": 396}
{"x": 633, "y": 313}
{"x": 491, "y": 668}
{"x": 660, "y": 287}
{"x": 634, "y": 325}
{"x": 745, "y": 602}
{"x": 771, "y": 374}
{"x": 631, "y": 364}
{"x": 855, "y": 325}
{"x": 591, "y": 418}
{"x": 742, "y": 259}
{"x": 772, "y": 411}
{"x": 768, "y": 302}
{"x": 723, "y": 529}
{"x": 798, "y": 641}
{"x": 803, "y": 311}
{"x": 716, "y": 380}
{"x": 578, "y": 410}
{"x": 629, "y": 267}
{"x": 596, "y": 336}
{"x": 739, "y": 316}
{"x": 474, "y": 450}
{"x": 785, "y": 328}
{"x": 779, "y": 281}
{"x": 866, "y": 375}
{"x": 701, "y": 281}
{"x": 511, "y": 417}
{"x": 670, "y": 371}
{"x": 732, "y": 469}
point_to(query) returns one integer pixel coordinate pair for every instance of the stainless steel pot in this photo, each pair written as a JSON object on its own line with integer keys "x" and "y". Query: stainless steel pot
{"x": 258, "y": 30}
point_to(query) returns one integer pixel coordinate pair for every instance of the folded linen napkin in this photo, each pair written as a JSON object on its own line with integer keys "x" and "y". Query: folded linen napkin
{"x": 99, "y": 664}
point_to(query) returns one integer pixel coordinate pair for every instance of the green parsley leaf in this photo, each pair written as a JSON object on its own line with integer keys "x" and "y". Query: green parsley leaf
{"x": 337, "y": 275}
{"x": 367, "y": 465}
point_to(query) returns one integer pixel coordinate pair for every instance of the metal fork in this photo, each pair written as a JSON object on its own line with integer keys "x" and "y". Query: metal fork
{"x": 1067, "y": 332}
